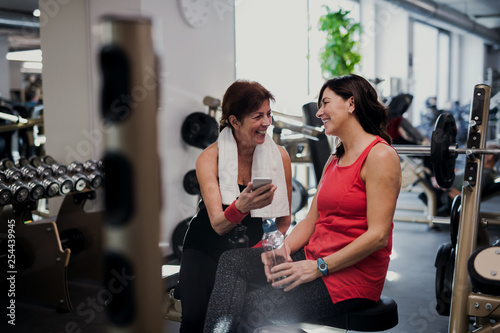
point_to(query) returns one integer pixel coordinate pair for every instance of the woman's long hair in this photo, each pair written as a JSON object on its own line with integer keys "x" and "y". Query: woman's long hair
{"x": 369, "y": 111}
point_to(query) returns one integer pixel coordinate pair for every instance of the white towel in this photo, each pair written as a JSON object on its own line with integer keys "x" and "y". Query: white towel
{"x": 267, "y": 163}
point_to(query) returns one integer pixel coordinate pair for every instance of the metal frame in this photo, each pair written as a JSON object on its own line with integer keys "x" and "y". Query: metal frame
{"x": 463, "y": 299}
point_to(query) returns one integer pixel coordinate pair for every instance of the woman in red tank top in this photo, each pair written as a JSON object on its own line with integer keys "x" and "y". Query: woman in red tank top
{"x": 339, "y": 254}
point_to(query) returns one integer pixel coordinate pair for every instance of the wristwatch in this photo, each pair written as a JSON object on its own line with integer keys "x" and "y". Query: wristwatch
{"x": 322, "y": 267}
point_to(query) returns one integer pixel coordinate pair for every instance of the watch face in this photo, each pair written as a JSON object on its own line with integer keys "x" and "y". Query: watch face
{"x": 195, "y": 12}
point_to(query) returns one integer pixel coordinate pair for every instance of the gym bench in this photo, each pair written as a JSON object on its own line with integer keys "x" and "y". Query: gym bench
{"x": 381, "y": 317}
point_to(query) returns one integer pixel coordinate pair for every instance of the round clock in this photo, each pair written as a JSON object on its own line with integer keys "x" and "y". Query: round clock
{"x": 195, "y": 12}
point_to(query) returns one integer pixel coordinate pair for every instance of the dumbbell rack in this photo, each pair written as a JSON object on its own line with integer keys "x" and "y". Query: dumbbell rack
{"x": 48, "y": 251}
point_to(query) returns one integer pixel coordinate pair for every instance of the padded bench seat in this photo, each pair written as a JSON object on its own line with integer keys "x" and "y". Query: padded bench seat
{"x": 380, "y": 317}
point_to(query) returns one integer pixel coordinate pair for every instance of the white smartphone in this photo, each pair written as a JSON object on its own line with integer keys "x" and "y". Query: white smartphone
{"x": 258, "y": 182}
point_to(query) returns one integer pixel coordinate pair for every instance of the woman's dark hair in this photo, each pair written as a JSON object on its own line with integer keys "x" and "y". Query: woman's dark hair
{"x": 242, "y": 98}
{"x": 370, "y": 112}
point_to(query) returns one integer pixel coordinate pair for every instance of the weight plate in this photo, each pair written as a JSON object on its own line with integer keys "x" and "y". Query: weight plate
{"x": 444, "y": 263}
{"x": 199, "y": 130}
{"x": 299, "y": 196}
{"x": 454, "y": 219}
{"x": 190, "y": 183}
{"x": 443, "y": 162}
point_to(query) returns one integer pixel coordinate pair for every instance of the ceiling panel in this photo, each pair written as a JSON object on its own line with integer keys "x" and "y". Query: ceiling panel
{"x": 484, "y": 12}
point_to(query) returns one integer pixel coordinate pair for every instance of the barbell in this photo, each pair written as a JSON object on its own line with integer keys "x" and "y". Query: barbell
{"x": 444, "y": 150}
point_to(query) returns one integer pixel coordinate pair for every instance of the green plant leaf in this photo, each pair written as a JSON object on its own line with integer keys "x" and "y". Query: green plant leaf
{"x": 340, "y": 54}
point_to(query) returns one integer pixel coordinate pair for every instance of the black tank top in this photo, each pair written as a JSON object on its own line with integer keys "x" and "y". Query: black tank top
{"x": 201, "y": 236}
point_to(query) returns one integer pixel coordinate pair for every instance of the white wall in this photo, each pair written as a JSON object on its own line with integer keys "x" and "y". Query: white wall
{"x": 391, "y": 39}
{"x": 193, "y": 63}
{"x": 274, "y": 51}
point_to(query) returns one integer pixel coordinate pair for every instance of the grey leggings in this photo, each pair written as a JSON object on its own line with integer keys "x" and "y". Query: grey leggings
{"x": 242, "y": 300}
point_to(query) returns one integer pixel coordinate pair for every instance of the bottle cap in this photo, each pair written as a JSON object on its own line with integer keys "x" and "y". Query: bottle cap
{"x": 269, "y": 225}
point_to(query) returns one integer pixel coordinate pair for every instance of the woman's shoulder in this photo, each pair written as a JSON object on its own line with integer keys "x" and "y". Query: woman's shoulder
{"x": 209, "y": 153}
{"x": 382, "y": 152}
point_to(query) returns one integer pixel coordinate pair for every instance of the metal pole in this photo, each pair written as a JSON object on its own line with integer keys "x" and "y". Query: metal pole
{"x": 416, "y": 150}
{"x": 469, "y": 216}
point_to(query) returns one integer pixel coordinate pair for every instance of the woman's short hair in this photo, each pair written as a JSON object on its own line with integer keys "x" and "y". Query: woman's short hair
{"x": 242, "y": 98}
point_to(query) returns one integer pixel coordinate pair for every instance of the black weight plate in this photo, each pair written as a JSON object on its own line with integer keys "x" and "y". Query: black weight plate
{"x": 299, "y": 196}
{"x": 454, "y": 219}
{"x": 190, "y": 183}
{"x": 178, "y": 237}
{"x": 199, "y": 130}
{"x": 444, "y": 256}
{"x": 443, "y": 163}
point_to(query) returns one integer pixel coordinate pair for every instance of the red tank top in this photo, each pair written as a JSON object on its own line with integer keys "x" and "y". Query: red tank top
{"x": 341, "y": 204}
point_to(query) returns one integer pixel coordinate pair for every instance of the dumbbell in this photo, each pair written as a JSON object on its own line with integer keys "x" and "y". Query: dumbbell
{"x": 35, "y": 161}
{"x": 66, "y": 184}
{"x": 30, "y": 176}
{"x": 92, "y": 169}
{"x": 6, "y": 163}
{"x": 22, "y": 162}
{"x": 13, "y": 174}
{"x": 76, "y": 172}
{"x": 51, "y": 186}
{"x": 5, "y": 194}
{"x": 24, "y": 177}
{"x": 58, "y": 169}
{"x": 75, "y": 167}
{"x": 90, "y": 165}
{"x": 20, "y": 191}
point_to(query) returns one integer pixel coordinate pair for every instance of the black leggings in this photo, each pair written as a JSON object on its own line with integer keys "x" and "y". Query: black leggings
{"x": 196, "y": 280}
{"x": 242, "y": 300}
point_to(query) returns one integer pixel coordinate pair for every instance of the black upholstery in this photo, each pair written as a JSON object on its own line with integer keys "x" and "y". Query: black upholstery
{"x": 380, "y": 317}
{"x": 320, "y": 150}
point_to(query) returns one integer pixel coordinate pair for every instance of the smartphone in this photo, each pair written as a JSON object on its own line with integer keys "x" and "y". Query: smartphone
{"x": 258, "y": 182}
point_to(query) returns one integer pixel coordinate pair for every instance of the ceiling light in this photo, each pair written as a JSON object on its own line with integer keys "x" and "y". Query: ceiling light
{"x": 32, "y": 65}
{"x": 30, "y": 55}
{"x": 36, "y": 13}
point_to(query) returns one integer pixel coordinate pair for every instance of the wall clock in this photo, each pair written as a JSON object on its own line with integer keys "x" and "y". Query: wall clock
{"x": 195, "y": 12}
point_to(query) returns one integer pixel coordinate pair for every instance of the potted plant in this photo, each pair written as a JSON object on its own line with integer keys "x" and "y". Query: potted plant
{"x": 341, "y": 52}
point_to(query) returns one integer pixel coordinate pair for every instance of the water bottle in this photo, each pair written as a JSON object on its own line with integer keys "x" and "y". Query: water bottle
{"x": 238, "y": 238}
{"x": 273, "y": 243}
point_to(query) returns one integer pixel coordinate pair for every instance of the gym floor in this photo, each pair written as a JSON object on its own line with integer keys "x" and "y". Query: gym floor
{"x": 410, "y": 282}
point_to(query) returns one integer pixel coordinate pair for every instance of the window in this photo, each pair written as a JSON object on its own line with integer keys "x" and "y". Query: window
{"x": 278, "y": 45}
{"x": 431, "y": 67}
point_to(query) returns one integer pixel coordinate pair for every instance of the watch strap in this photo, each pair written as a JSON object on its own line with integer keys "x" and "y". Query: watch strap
{"x": 322, "y": 267}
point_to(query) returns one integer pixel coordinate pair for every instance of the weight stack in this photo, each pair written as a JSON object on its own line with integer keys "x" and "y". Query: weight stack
{"x": 129, "y": 104}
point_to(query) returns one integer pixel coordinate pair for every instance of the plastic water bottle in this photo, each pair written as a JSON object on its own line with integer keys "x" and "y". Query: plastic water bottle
{"x": 273, "y": 243}
{"x": 238, "y": 238}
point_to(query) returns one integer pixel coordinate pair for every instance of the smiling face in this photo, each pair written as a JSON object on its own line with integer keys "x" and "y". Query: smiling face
{"x": 334, "y": 111}
{"x": 251, "y": 131}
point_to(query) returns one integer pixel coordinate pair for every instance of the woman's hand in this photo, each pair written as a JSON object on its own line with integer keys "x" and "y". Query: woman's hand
{"x": 295, "y": 273}
{"x": 250, "y": 199}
